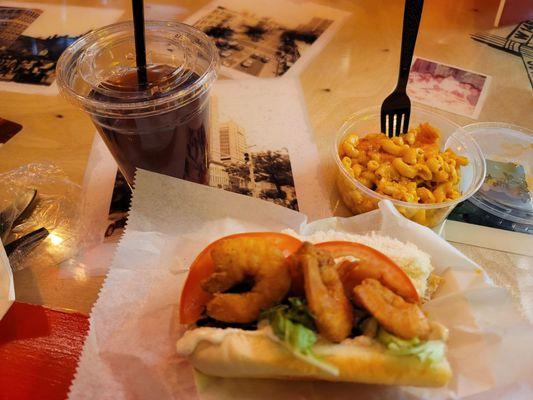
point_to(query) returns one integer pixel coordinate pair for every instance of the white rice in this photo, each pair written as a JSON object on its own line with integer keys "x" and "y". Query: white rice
{"x": 415, "y": 262}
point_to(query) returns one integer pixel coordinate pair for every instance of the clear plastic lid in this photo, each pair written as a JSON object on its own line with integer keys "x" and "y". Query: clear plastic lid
{"x": 182, "y": 64}
{"x": 507, "y": 191}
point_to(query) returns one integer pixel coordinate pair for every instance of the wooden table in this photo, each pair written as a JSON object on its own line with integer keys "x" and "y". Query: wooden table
{"x": 357, "y": 69}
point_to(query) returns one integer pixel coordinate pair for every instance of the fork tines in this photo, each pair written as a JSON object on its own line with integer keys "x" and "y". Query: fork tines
{"x": 394, "y": 122}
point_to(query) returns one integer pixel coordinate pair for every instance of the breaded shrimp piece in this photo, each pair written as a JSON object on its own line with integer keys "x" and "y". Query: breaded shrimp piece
{"x": 325, "y": 294}
{"x": 240, "y": 259}
{"x": 405, "y": 320}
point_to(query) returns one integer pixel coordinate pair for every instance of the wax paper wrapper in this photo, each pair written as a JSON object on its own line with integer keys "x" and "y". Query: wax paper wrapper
{"x": 130, "y": 349}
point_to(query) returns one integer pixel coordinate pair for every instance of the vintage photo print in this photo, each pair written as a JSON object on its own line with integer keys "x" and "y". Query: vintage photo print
{"x": 8, "y": 129}
{"x": 447, "y": 87}
{"x": 267, "y": 39}
{"x": 34, "y": 35}
{"x": 263, "y": 147}
{"x": 237, "y": 165}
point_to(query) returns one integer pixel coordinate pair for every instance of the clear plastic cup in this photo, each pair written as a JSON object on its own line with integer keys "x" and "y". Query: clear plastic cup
{"x": 162, "y": 125}
{"x": 359, "y": 198}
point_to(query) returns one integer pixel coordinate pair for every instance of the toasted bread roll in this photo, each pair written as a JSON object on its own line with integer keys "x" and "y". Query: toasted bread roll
{"x": 241, "y": 354}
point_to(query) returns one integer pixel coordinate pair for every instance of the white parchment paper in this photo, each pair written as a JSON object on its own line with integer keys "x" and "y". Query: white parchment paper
{"x": 130, "y": 349}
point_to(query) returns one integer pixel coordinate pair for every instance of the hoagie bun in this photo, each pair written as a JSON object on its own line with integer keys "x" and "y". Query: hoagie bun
{"x": 236, "y": 353}
{"x": 366, "y": 358}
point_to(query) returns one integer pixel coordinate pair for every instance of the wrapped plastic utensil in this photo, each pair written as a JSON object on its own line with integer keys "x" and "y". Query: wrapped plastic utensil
{"x": 54, "y": 208}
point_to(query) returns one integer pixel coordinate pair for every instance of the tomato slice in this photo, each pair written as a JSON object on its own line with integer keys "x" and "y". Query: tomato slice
{"x": 371, "y": 264}
{"x": 194, "y": 298}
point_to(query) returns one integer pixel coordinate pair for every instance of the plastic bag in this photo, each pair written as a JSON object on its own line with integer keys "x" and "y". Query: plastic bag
{"x": 57, "y": 208}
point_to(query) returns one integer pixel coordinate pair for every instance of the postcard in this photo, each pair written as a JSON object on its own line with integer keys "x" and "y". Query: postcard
{"x": 34, "y": 35}
{"x": 263, "y": 147}
{"x": 267, "y": 39}
{"x": 447, "y": 87}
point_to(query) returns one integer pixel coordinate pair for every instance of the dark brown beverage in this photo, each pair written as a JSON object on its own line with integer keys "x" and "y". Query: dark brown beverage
{"x": 170, "y": 140}
{"x": 161, "y": 125}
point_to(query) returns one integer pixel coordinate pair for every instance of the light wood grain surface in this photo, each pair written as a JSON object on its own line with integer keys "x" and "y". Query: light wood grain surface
{"x": 357, "y": 69}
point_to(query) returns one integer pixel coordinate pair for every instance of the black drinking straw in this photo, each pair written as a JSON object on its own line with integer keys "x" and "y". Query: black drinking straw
{"x": 140, "y": 45}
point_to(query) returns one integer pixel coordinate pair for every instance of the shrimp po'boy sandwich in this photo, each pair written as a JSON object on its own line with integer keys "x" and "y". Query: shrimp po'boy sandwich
{"x": 267, "y": 305}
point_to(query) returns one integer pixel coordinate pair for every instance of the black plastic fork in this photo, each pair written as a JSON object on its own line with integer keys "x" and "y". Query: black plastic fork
{"x": 396, "y": 108}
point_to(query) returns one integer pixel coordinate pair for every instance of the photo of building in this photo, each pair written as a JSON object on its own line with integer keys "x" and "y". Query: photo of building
{"x": 259, "y": 45}
{"x": 33, "y": 36}
{"x": 14, "y": 21}
{"x": 27, "y": 59}
{"x": 235, "y": 167}
{"x": 232, "y": 142}
{"x": 218, "y": 177}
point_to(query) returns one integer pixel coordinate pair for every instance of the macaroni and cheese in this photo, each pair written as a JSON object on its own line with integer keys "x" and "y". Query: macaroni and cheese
{"x": 410, "y": 167}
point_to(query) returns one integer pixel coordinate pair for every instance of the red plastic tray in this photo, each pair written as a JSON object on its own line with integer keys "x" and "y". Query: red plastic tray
{"x": 39, "y": 351}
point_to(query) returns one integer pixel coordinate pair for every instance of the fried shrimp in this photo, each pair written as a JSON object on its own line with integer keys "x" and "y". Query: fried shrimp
{"x": 405, "y": 320}
{"x": 246, "y": 259}
{"x": 325, "y": 294}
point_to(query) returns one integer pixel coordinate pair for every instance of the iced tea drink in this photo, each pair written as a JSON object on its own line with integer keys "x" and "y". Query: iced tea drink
{"x": 160, "y": 125}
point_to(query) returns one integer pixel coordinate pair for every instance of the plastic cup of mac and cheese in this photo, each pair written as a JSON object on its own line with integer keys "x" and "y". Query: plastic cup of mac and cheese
{"x": 362, "y": 193}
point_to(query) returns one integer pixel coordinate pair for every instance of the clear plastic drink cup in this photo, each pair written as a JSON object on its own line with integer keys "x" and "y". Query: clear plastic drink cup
{"x": 160, "y": 125}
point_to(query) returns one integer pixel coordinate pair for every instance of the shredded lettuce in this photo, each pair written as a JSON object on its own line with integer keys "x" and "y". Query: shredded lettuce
{"x": 294, "y": 325}
{"x": 430, "y": 351}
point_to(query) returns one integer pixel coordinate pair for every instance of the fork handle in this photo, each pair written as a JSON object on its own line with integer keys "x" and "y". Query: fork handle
{"x": 411, "y": 20}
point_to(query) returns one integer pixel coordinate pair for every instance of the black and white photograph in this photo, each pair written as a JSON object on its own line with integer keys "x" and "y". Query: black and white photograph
{"x": 263, "y": 147}
{"x": 30, "y": 44}
{"x": 266, "y": 39}
{"x": 447, "y": 87}
{"x": 241, "y": 167}
{"x": 26, "y": 59}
